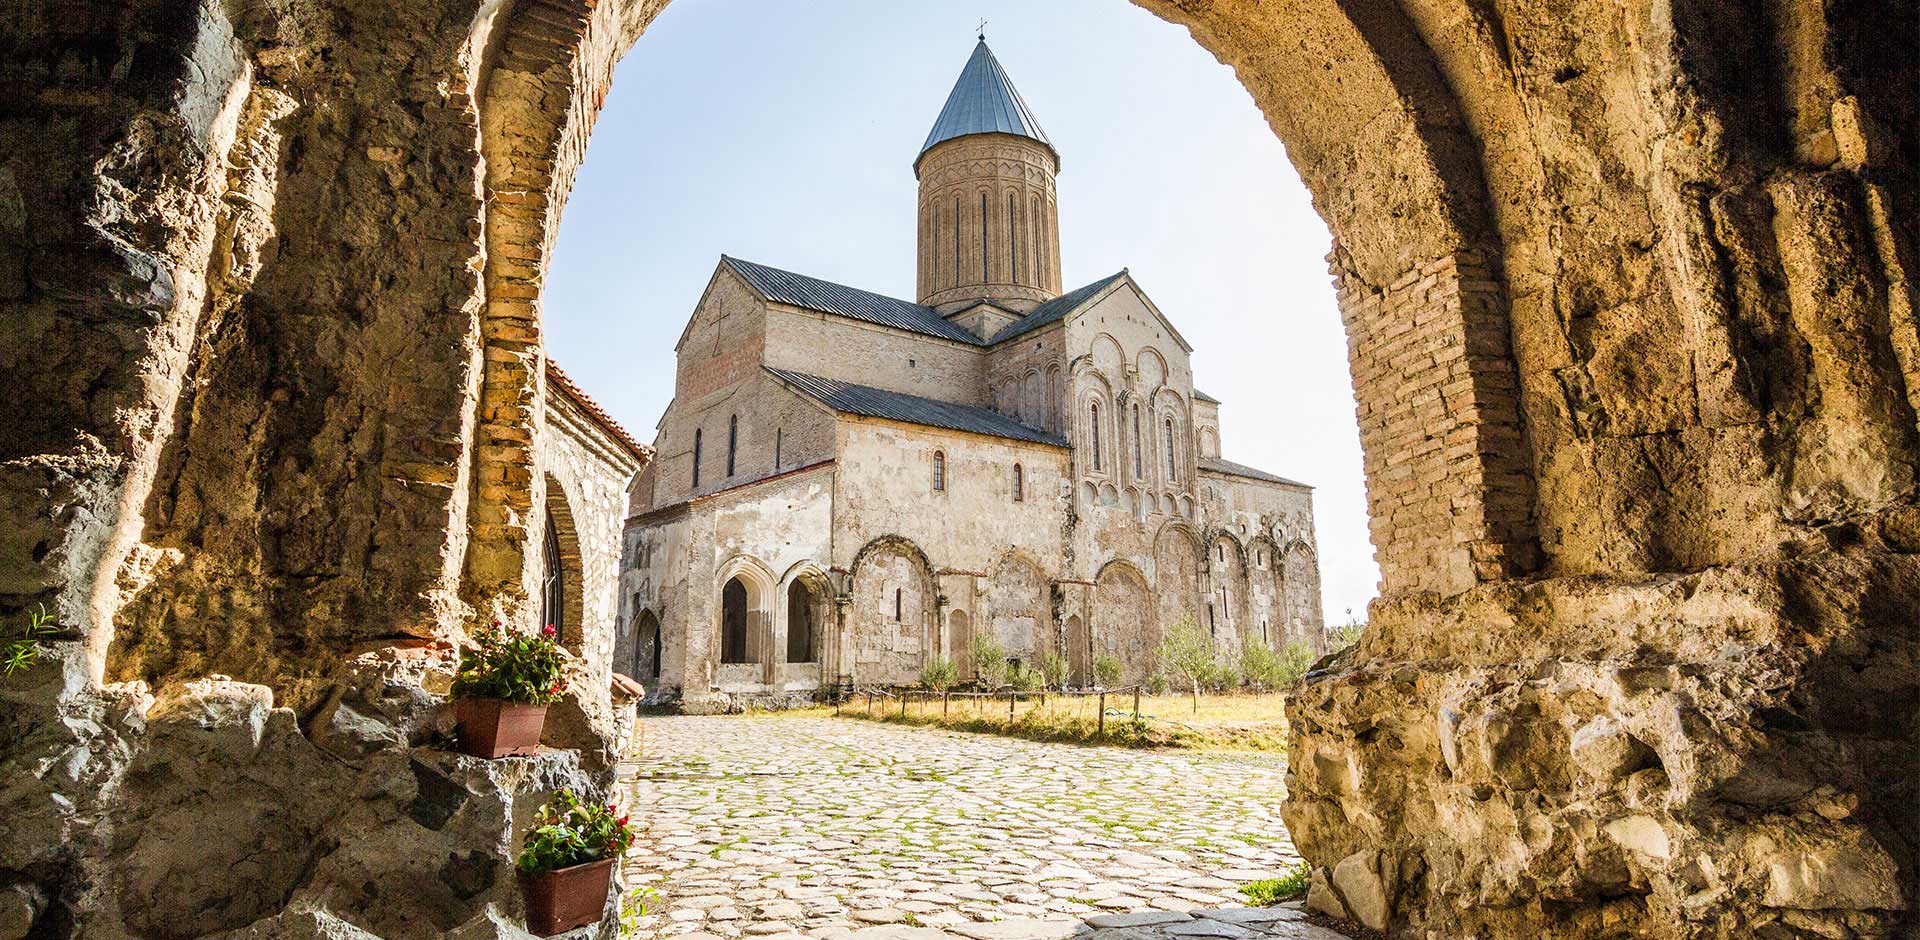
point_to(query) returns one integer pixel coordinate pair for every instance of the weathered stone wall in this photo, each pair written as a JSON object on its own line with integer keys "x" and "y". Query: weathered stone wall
{"x": 586, "y": 466}
{"x": 1629, "y": 300}
{"x": 1011, "y": 254}
{"x": 847, "y": 350}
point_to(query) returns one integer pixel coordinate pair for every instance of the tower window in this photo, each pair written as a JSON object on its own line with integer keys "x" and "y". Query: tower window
{"x": 956, "y": 241}
{"x": 696, "y": 458}
{"x": 939, "y": 471}
{"x": 733, "y": 441}
{"x": 984, "y": 253}
{"x": 1093, "y": 419}
{"x": 1013, "y": 243}
{"x": 1019, "y": 484}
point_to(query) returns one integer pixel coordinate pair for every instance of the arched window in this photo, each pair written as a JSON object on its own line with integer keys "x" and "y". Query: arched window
{"x": 800, "y": 604}
{"x": 733, "y": 623}
{"x": 984, "y": 253}
{"x": 1013, "y": 242}
{"x": 939, "y": 471}
{"x": 1019, "y": 484}
{"x": 1139, "y": 468}
{"x": 1093, "y": 420}
{"x": 1173, "y": 459}
{"x": 696, "y": 458}
{"x": 733, "y": 441}
{"x": 956, "y": 241}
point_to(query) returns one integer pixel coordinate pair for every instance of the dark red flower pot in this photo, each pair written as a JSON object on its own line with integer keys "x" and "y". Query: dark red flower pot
{"x": 491, "y": 727}
{"x": 566, "y": 898}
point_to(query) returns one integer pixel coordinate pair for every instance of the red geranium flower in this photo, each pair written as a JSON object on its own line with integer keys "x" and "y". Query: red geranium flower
{"x": 549, "y": 631}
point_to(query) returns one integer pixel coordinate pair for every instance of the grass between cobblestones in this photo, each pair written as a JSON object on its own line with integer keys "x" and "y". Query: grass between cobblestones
{"x": 1249, "y": 722}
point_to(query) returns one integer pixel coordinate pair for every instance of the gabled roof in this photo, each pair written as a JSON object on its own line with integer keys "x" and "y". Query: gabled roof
{"x": 912, "y": 409}
{"x": 1232, "y": 469}
{"x": 1199, "y": 395}
{"x": 983, "y": 101}
{"x": 1057, "y": 309}
{"x": 799, "y": 290}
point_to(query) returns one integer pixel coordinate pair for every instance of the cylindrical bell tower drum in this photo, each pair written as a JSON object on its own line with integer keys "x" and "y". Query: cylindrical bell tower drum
{"x": 989, "y": 222}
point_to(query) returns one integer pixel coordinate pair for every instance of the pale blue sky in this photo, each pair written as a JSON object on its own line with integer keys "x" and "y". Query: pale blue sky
{"x": 785, "y": 133}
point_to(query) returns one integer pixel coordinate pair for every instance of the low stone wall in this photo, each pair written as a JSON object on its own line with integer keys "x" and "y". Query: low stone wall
{"x": 210, "y": 810}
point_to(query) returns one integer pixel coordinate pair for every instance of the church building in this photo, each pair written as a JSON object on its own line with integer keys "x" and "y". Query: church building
{"x": 847, "y": 485}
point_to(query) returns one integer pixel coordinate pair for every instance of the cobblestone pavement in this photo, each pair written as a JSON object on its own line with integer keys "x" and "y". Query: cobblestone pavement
{"x": 788, "y": 827}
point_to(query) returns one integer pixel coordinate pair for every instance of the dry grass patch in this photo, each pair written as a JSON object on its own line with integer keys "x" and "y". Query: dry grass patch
{"x": 1241, "y": 722}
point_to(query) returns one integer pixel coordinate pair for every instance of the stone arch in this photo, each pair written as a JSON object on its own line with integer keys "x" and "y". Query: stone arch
{"x": 1152, "y": 367}
{"x": 562, "y": 591}
{"x": 894, "y": 606}
{"x": 1123, "y": 626}
{"x": 742, "y": 627}
{"x": 1299, "y": 589}
{"x": 1107, "y": 356}
{"x": 1177, "y": 570}
{"x": 1018, "y": 610}
{"x": 1266, "y": 594}
{"x": 809, "y": 595}
{"x": 1227, "y": 575}
{"x": 1033, "y": 399}
{"x": 959, "y": 640}
{"x": 648, "y": 646}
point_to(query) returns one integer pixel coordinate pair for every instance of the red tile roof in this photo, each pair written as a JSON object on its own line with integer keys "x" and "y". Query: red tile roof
{"x": 568, "y": 387}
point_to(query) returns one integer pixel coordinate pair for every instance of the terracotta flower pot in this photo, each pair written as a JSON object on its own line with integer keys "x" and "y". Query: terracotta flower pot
{"x": 491, "y": 727}
{"x": 566, "y": 898}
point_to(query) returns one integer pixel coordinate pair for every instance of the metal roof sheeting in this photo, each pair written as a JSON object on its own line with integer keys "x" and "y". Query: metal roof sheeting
{"x": 912, "y": 409}
{"x": 1232, "y": 469}
{"x": 1199, "y": 395}
{"x": 983, "y": 102}
{"x": 1057, "y": 308}
{"x": 812, "y": 293}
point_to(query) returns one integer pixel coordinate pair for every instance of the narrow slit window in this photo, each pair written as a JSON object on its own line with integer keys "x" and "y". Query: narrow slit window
{"x": 1019, "y": 484}
{"x": 896, "y": 605}
{"x": 779, "y": 439}
{"x": 1013, "y": 242}
{"x": 939, "y": 471}
{"x": 956, "y": 241}
{"x": 733, "y": 441}
{"x": 984, "y": 253}
{"x": 1139, "y": 468}
{"x": 1093, "y": 420}
{"x": 696, "y": 458}
{"x": 1173, "y": 466}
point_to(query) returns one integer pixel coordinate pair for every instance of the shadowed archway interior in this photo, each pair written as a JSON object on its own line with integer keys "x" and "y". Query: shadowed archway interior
{"x": 1629, "y": 299}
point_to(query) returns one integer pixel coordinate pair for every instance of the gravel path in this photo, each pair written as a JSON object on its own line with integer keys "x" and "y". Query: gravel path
{"x": 786, "y": 827}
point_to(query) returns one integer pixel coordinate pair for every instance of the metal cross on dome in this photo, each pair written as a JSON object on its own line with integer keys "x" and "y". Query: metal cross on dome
{"x": 982, "y": 30}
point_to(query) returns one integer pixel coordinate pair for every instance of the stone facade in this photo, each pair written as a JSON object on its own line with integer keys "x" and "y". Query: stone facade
{"x": 818, "y": 545}
{"x": 270, "y": 331}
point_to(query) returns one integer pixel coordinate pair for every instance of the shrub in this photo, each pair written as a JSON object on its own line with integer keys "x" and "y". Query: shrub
{"x": 1106, "y": 668}
{"x": 940, "y": 674}
{"x": 22, "y": 651}
{"x": 1346, "y": 634}
{"x": 1054, "y": 667}
{"x": 1270, "y": 891}
{"x": 1026, "y": 678}
{"x": 1295, "y": 659}
{"x": 989, "y": 661}
{"x": 511, "y": 665}
{"x": 1158, "y": 684}
{"x": 1222, "y": 676}
{"x": 1261, "y": 667}
{"x": 567, "y": 832}
{"x": 1187, "y": 654}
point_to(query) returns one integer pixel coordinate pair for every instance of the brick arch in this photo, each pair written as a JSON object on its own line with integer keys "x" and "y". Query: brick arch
{"x": 562, "y": 535}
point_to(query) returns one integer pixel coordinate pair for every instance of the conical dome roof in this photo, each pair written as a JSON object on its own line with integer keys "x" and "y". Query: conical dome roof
{"x": 983, "y": 101}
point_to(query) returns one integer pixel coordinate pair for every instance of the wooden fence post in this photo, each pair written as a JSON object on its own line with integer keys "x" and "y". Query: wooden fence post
{"x": 1103, "y": 712}
{"x": 945, "y": 697}
{"x": 1136, "y": 703}
{"x": 1012, "y": 697}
